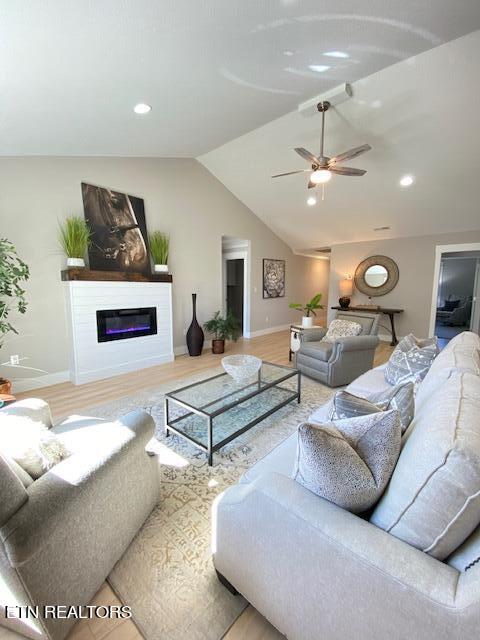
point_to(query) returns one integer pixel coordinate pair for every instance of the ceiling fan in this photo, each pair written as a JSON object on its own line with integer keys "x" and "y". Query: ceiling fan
{"x": 323, "y": 166}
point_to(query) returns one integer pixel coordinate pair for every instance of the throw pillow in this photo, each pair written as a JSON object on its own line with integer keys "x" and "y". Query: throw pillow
{"x": 342, "y": 329}
{"x": 349, "y": 462}
{"x": 401, "y": 398}
{"x": 411, "y": 360}
{"x": 30, "y": 444}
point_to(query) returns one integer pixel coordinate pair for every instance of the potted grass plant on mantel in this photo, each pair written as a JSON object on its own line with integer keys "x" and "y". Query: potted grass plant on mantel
{"x": 13, "y": 272}
{"x": 74, "y": 237}
{"x": 222, "y": 328}
{"x": 159, "y": 244}
{"x": 308, "y": 309}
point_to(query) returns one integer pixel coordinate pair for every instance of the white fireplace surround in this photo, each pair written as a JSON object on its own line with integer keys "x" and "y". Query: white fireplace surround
{"x": 92, "y": 360}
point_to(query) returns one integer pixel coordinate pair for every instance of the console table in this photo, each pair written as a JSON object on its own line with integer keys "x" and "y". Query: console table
{"x": 386, "y": 311}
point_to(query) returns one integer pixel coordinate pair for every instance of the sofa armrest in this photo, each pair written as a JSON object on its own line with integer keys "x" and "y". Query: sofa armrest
{"x": 32, "y": 408}
{"x": 313, "y": 335}
{"x": 13, "y": 493}
{"x": 88, "y": 483}
{"x": 274, "y": 527}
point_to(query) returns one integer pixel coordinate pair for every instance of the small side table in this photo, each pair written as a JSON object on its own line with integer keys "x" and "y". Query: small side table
{"x": 296, "y": 331}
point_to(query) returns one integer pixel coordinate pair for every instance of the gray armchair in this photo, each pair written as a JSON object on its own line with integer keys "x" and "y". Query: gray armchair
{"x": 60, "y": 535}
{"x": 339, "y": 363}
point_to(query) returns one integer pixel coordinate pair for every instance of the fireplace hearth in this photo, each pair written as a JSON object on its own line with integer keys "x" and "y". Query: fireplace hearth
{"x": 122, "y": 324}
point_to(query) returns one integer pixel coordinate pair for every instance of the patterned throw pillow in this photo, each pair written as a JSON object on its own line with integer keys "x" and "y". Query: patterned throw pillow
{"x": 349, "y": 462}
{"x": 401, "y": 398}
{"x": 411, "y": 360}
{"x": 342, "y": 329}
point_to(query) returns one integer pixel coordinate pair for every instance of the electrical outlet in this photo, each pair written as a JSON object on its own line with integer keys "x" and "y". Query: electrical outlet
{"x": 14, "y": 360}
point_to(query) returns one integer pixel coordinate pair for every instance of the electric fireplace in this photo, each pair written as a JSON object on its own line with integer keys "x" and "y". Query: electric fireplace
{"x": 120, "y": 324}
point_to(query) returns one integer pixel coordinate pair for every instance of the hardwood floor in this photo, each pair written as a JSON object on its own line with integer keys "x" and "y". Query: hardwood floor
{"x": 67, "y": 398}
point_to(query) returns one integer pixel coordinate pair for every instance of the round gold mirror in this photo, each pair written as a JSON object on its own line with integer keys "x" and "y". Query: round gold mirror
{"x": 376, "y": 276}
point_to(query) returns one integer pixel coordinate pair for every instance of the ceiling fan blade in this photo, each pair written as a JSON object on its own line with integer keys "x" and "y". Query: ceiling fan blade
{"x": 347, "y": 171}
{"x": 352, "y": 153}
{"x": 290, "y": 173}
{"x": 306, "y": 155}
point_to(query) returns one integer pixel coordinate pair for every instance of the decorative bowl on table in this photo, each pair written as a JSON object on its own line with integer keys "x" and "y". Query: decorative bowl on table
{"x": 241, "y": 367}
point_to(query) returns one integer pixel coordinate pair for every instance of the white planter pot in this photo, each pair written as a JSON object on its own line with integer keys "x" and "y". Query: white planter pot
{"x": 161, "y": 268}
{"x": 307, "y": 322}
{"x": 75, "y": 262}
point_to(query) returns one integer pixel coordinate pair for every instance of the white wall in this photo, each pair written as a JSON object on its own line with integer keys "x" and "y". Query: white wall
{"x": 181, "y": 198}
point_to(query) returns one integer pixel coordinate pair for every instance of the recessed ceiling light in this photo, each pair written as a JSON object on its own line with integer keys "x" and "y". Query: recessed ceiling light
{"x": 406, "y": 181}
{"x": 336, "y": 54}
{"x": 319, "y": 68}
{"x": 142, "y": 108}
{"x": 311, "y": 201}
{"x": 288, "y": 53}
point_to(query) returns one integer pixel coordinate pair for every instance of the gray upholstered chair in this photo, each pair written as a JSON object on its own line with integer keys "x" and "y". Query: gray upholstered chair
{"x": 60, "y": 535}
{"x": 338, "y": 363}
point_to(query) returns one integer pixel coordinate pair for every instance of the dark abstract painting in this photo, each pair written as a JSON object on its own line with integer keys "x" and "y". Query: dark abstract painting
{"x": 273, "y": 278}
{"x": 119, "y": 232}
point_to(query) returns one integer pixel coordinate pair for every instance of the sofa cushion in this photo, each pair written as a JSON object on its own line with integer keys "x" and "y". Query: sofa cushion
{"x": 411, "y": 360}
{"x": 280, "y": 460}
{"x": 320, "y": 350}
{"x": 400, "y": 398}
{"x": 462, "y": 354}
{"x": 468, "y": 554}
{"x": 349, "y": 462}
{"x": 342, "y": 329}
{"x": 372, "y": 381}
{"x": 433, "y": 499}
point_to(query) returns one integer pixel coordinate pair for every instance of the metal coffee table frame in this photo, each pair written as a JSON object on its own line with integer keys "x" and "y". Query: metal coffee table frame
{"x": 210, "y": 448}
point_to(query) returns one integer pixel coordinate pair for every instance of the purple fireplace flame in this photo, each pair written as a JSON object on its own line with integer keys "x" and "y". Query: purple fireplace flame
{"x": 119, "y": 324}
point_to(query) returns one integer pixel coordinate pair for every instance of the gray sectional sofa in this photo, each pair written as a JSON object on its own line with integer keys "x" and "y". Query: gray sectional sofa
{"x": 60, "y": 535}
{"x": 317, "y": 571}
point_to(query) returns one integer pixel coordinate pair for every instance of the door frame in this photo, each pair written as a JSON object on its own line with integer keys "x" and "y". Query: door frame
{"x": 440, "y": 249}
{"x": 243, "y": 254}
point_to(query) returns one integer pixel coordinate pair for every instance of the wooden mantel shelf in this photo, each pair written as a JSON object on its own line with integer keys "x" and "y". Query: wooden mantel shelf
{"x": 113, "y": 276}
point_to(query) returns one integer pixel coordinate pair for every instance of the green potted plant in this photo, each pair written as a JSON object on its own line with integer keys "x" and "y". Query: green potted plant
{"x": 13, "y": 271}
{"x": 74, "y": 237}
{"x": 159, "y": 243}
{"x": 222, "y": 328}
{"x": 308, "y": 309}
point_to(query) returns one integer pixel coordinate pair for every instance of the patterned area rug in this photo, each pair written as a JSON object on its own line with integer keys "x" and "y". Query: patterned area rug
{"x": 166, "y": 575}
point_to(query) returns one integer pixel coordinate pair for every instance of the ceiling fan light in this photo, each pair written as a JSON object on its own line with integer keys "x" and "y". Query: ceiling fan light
{"x": 320, "y": 176}
{"x": 311, "y": 201}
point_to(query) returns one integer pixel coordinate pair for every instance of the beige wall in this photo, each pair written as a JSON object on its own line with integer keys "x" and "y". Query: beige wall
{"x": 416, "y": 260}
{"x": 182, "y": 198}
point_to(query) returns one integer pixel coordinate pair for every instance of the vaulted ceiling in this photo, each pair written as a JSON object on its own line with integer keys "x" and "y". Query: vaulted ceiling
{"x": 421, "y": 118}
{"x": 212, "y": 70}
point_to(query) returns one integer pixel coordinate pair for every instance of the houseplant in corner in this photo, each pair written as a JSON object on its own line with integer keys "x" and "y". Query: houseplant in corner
{"x": 308, "y": 309}
{"x": 159, "y": 243}
{"x": 74, "y": 237}
{"x": 222, "y": 328}
{"x": 13, "y": 271}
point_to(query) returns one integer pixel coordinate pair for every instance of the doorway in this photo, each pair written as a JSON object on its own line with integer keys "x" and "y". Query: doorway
{"x": 456, "y": 292}
{"x": 235, "y": 285}
{"x": 236, "y": 290}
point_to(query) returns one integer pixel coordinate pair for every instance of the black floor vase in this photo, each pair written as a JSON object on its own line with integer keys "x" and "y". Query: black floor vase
{"x": 195, "y": 335}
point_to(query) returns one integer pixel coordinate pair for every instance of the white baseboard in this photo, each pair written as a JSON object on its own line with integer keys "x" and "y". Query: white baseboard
{"x": 264, "y": 332}
{"x": 26, "y": 384}
{"x": 386, "y": 337}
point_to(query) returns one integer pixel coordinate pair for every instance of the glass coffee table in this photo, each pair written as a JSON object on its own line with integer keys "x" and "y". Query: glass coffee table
{"x": 218, "y": 409}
